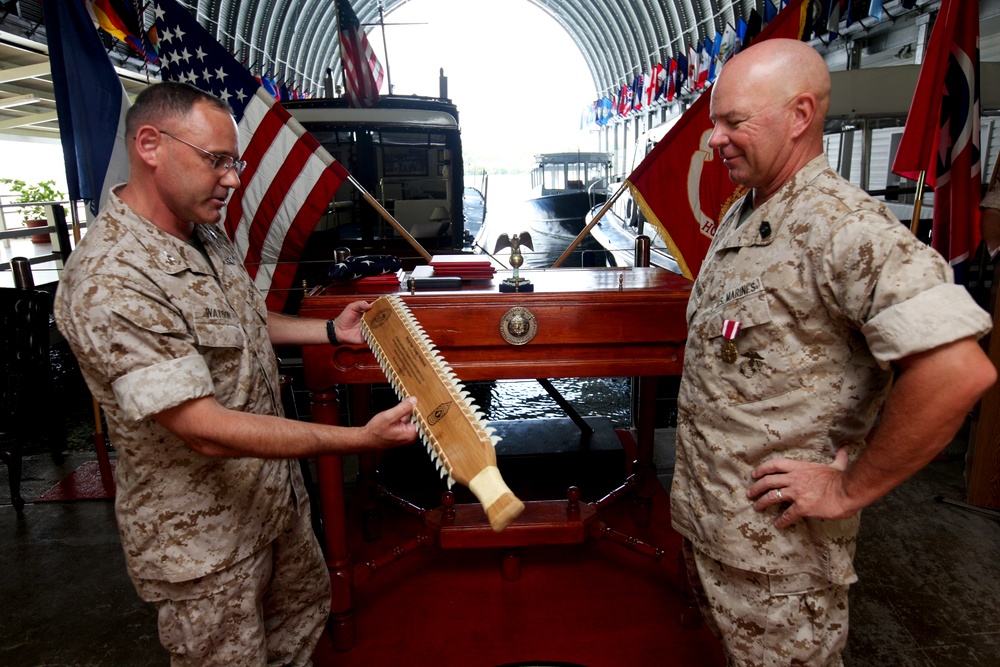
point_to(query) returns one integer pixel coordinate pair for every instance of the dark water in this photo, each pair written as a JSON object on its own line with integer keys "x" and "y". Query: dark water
{"x": 527, "y": 399}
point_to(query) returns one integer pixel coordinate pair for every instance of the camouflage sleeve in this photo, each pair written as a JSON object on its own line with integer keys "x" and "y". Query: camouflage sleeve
{"x": 937, "y": 316}
{"x": 153, "y": 389}
{"x": 897, "y": 291}
{"x": 143, "y": 347}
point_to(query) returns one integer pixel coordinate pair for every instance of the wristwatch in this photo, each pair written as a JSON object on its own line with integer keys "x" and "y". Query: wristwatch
{"x": 331, "y": 332}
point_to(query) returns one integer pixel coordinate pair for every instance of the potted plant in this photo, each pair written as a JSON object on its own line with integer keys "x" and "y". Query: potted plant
{"x": 28, "y": 193}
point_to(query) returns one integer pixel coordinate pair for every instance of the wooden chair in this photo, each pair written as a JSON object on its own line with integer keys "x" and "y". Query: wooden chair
{"x": 26, "y": 406}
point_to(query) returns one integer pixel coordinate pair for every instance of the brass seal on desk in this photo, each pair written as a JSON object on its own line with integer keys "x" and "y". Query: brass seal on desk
{"x": 518, "y": 326}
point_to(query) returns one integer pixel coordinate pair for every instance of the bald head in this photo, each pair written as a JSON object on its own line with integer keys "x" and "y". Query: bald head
{"x": 783, "y": 69}
{"x": 768, "y": 105}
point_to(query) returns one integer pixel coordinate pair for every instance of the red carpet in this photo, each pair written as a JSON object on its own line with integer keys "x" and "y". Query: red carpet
{"x": 84, "y": 483}
{"x": 595, "y": 604}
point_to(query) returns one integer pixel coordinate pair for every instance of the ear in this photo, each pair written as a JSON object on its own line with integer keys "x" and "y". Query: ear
{"x": 148, "y": 141}
{"x": 803, "y": 113}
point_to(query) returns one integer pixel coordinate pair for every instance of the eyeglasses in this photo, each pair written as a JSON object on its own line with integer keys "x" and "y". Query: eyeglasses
{"x": 221, "y": 163}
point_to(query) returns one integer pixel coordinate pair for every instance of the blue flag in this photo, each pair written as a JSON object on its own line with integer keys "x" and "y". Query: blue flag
{"x": 770, "y": 11}
{"x": 90, "y": 102}
{"x": 855, "y": 11}
{"x": 682, "y": 72}
{"x": 714, "y": 65}
{"x": 603, "y": 108}
{"x": 741, "y": 34}
{"x": 269, "y": 85}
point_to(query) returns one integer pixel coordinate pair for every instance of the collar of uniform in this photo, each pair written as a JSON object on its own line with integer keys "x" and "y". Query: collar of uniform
{"x": 754, "y": 232}
{"x": 169, "y": 254}
{"x": 734, "y": 235}
{"x": 217, "y": 244}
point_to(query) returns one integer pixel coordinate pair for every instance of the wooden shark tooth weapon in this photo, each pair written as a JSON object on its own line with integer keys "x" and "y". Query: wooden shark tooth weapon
{"x": 449, "y": 423}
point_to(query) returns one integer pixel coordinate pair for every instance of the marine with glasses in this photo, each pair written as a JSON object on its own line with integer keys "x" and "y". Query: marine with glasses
{"x": 174, "y": 341}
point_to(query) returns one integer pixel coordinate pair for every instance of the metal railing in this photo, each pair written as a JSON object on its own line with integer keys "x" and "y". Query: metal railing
{"x": 56, "y": 228}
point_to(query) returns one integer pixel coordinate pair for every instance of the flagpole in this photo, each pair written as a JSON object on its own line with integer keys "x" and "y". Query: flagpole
{"x": 388, "y": 217}
{"x": 586, "y": 230}
{"x": 340, "y": 50}
{"x": 917, "y": 203}
{"x": 385, "y": 48}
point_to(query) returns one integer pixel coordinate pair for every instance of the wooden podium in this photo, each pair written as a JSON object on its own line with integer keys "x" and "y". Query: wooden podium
{"x": 593, "y": 322}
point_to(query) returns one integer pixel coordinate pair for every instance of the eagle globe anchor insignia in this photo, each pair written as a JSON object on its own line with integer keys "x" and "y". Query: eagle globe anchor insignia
{"x": 515, "y": 283}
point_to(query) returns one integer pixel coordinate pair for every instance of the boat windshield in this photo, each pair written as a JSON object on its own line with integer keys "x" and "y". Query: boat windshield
{"x": 562, "y": 172}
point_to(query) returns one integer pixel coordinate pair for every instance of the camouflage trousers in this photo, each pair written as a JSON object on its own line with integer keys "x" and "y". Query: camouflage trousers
{"x": 269, "y": 609}
{"x": 769, "y": 621}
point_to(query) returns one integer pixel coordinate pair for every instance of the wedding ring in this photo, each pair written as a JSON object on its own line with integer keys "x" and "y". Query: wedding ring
{"x": 777, "y": 494}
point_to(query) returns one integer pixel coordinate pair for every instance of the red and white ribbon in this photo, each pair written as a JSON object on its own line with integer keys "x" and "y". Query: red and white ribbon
{"x": 730, "y": 328}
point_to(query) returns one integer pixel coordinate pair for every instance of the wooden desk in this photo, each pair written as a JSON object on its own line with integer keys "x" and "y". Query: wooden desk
{"x": 597, "y": 322}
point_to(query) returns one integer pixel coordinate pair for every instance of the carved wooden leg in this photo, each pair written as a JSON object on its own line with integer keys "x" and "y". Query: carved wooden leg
{"x": 325, "y": 409}
{"x": 645, "y": 468}
{"x": 371, "y": 527}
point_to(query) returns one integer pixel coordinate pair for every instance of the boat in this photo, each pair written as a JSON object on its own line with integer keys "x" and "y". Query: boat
{"x": 564, "y": 187}
{"x": 407, "y": 155}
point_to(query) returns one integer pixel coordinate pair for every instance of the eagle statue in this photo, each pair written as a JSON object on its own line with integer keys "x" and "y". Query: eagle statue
{"x": 516, "y": 283}
{"x": 514, "y": 243}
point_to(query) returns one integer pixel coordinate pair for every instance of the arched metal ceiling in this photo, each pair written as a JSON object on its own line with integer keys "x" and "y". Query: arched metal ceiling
{"x": 297, "y": 41}
{"x": 618, "y": 39}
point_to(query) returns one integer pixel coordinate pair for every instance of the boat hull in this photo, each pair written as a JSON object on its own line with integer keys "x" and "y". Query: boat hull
{"x": 561, "y": 215}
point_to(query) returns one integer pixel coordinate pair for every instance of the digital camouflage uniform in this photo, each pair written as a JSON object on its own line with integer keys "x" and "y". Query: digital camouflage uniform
{"x": 829, "y": 289}
{"x": 153, "y": 325}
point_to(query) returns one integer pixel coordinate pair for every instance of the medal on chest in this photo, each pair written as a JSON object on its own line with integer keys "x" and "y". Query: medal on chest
{"x": 730, "y": 328}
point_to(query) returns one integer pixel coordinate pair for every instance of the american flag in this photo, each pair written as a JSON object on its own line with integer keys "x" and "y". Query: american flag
{"x": 289, "y": 179}
{"x": 362, "y": 71}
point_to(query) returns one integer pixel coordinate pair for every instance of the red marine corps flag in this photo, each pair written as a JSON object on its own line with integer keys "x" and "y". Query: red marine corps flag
{"x": 362, "y": 71}
{"x": 941, "y": 136}
{"x": 681, "y": 186}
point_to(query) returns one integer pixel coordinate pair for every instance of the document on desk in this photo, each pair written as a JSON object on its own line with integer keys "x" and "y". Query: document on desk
{"x": 422, "y": 277}
{"x": 450, "y": 424}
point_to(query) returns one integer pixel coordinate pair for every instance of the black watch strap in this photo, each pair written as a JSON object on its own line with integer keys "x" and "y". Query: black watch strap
{"x": 331, "y": 332}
